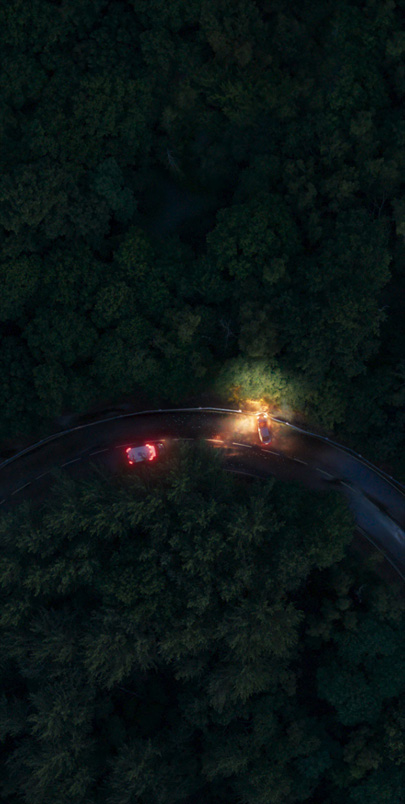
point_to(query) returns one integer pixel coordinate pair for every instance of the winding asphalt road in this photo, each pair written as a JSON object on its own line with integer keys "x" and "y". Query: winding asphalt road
{"x": 377, "y": 500}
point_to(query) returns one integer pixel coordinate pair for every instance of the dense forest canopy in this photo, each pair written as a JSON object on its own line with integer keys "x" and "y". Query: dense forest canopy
{"x": 281, "y": 129}
{"x": 197, "y": 196}
{"x": 181, "y": 636}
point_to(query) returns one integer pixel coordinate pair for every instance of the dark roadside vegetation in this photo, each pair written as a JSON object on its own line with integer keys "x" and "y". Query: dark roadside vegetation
{"x": 180, "y": 636}
{"x": 201, "y": 197}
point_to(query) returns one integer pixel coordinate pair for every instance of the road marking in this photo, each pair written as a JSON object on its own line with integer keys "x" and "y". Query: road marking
{"x": 327, "y": 474}
{"x": 97, "y": 452}
{"x": 43, "y": 475}
{"x": 3, "y": 501}
{"x": 236, "y": 444}
{"x": 300, "y": 461}
{"x": 348, "y": 451}
{"x": 241, "y": 472}
{"x": 20, "y": 489}
{"x": 73, "y": 461}
{"x": 153, "y": 440}
{"x": 381, "y": 550}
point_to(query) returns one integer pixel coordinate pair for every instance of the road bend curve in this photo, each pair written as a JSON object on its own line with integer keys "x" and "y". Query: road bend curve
{"x": 377, "y": 501}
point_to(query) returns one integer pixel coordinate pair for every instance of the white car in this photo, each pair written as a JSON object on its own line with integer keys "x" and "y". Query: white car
{"x": 147, "y": 452}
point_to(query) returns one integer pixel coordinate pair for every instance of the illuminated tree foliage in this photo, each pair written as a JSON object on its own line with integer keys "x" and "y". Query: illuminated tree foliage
{"x": 198, "y": 196}
{"x": 202, "y": 194}
{"x": 176, "y": 635}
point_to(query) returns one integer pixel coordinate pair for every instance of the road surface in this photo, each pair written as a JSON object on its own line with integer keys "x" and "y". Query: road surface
{"x": 377, "y": 501}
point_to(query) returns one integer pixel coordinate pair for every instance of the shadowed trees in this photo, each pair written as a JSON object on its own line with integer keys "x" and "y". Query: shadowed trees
{"x": 286, "y": 126}
{"x": 175, "y": 633}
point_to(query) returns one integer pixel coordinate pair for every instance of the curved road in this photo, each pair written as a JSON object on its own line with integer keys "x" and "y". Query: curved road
{"x": 377, "y": 501}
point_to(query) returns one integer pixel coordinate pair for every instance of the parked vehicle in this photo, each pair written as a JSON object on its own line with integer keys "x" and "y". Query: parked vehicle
{"x": 263, "y": 428}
